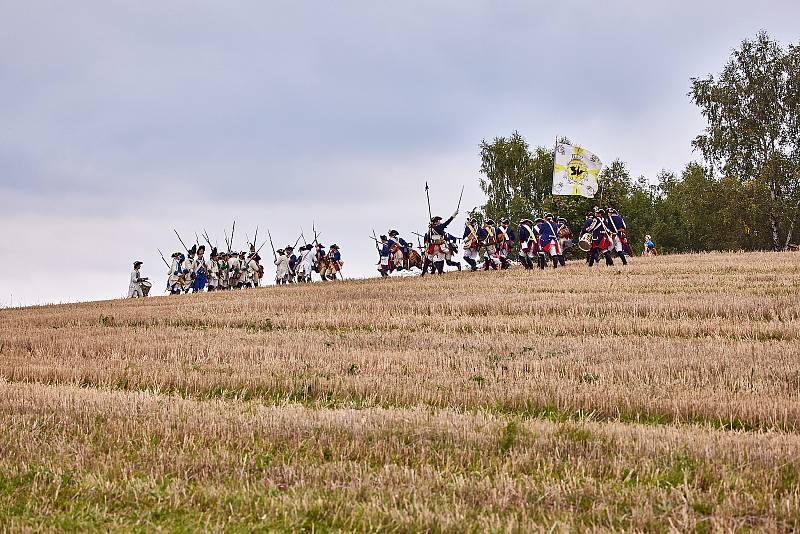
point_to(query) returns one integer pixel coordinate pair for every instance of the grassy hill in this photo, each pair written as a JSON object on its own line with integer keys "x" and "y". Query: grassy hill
{"x": 659, "y": 396}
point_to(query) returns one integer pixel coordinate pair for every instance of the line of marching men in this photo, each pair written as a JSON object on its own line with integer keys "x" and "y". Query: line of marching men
{"x": 239, "y": 270}
{"x": 541, "y": 241}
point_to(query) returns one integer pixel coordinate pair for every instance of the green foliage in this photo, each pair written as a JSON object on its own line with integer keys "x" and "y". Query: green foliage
{"x": 753, "y": 111}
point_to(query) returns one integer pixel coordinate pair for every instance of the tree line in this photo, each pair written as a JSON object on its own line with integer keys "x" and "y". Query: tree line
{"x": 744, "y": 195}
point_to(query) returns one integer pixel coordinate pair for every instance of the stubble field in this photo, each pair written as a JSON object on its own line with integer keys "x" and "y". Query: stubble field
{"x": 661, "y": 396}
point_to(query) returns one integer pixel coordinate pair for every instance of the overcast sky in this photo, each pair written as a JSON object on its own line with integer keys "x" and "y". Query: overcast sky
{"x": 121, "y": 120}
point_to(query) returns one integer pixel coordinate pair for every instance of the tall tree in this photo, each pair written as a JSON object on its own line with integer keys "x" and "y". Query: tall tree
{"x": 752, "y": 109}
{"x": 515, "y": 181}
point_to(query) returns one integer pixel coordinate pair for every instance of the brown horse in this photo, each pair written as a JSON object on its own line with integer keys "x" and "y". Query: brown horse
{"x": 414, "y": 260}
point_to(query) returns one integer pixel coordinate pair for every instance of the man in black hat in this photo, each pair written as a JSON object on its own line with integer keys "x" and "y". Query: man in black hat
{"x": 385, "y": 252}
{"x": 135, "y": 289}
{"x": 505, "y": 238}
{"x": 334, "y": 262}
{"x": 200, "y": 270}
{"x": 527, "y": 241}
{"x": 305, "y": 264}
{"x": 401, "y": 250}
{"x": 471, "y": 241}
{"x": 489, "y": 242}
{"x": 289, "y": 249}
{"x": 435, "y": 252}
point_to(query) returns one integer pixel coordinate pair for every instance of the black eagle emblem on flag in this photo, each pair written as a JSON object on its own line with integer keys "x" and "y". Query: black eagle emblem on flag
{"x": 576, "y": 171}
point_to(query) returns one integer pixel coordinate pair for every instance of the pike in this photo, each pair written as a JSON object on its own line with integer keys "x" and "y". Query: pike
{"x": 205, "y": 236}
{"x": 275, "y": 256}
{"x": 181, "y": 240}
{"x": 429, "y": 200}
{"x": 164, "y": 259}
{"x": 377, "y": 246}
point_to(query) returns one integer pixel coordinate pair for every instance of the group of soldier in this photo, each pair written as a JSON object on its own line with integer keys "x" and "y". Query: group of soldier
{"x": 193, "y": 272}
{"x": 539, "y": 242}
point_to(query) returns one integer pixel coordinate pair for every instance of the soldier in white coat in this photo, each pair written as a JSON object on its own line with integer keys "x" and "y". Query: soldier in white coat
{"x": 254, "y": 270}
{"x": 281, "y": 268}
{"x": 135, "y": 289}
{"x": 306, "y": 264}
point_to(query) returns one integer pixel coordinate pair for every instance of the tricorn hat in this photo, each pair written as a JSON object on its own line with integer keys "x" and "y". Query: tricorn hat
{"x": 523, "y": 221}
{"x": 393, "y": 232}
{"x": 505, "y": 220}
{"x": 435, "y": 218}
{"x": 489, "y": 222}
{"x": 192, "y": 250}
{"x": 136, "y": 264}
{"x": 335, "y": 246}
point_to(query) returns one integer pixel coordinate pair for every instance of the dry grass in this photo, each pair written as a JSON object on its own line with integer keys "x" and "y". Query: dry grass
{"x": 662, "y": 396}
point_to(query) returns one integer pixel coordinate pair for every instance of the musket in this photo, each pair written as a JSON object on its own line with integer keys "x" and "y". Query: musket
{"x": 429, "y": 200}
{"x": 196, "y": 241}
{"x": 274, "y": 256}
{"x": 232, "y": 231}
{"x": 255, "y": 237}
{"x": 247, "y": 238}
{"x": 304, "y": 237}
{"x": 164, "y": 259}
{"x": 296, "y": 241}
{"x": 459, "y": 199}
{"x": 227, "y": 243}
{"x": 208, "y": 240}
{"x": 262, "y": 246}
{"x": 181, "y": 240}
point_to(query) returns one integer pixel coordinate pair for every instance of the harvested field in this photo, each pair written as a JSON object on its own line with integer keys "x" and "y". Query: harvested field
{"x": 663, "y": 396}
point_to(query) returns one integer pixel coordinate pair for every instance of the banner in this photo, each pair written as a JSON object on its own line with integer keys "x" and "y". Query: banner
{"x": 575, "y": 171}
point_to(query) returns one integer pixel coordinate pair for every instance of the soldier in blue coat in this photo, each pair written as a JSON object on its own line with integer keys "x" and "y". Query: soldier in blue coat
{"x": 451, "y": 249}
{"x": 526, "y": 241}
{"x": 292, "y": 263}
{"x": 471, "y": 242}
{"x": 384, "y": 249}
{"x": 505, "y": 239}
{"x": 616, "y": 225}
{"x": 402, "y": 245}
{"x": 548, "y": 241}
{"x": 435, "y": 245}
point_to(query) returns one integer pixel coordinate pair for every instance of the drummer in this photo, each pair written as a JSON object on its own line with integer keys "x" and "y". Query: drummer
{"x": 139, "y": 286}
{"x": 585, "y": 243}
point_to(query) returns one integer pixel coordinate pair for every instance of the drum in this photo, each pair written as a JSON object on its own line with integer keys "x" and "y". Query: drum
{"x": 145, "y": 285}
{"x": 585, "y": 243}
